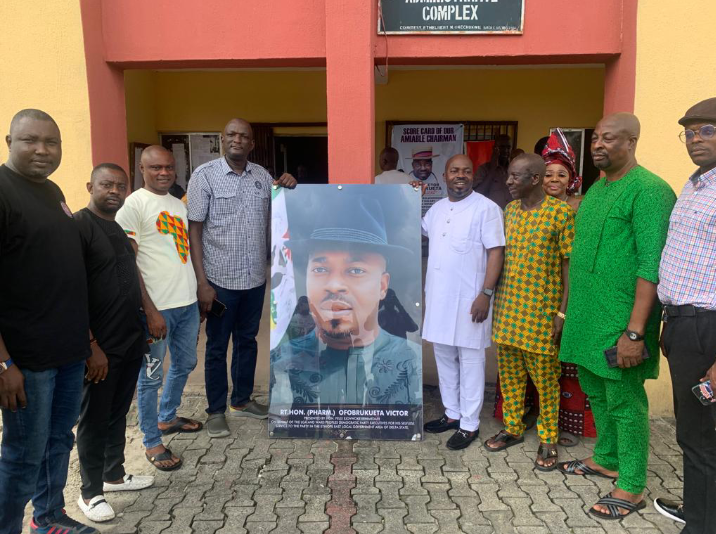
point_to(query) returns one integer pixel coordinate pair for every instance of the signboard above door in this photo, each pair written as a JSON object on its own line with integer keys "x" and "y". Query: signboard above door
{"x": 451, "y": 16}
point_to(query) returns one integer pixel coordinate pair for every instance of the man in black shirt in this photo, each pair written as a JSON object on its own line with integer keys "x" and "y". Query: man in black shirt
{"x": 44, "y": 329}
{"x": 117, "y": 346}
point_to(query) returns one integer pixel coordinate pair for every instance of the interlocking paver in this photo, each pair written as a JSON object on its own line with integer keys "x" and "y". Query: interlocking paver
{"x": 250, "y": 483}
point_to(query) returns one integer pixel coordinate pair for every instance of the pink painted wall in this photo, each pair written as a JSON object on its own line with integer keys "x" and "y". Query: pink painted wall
{"x": 215, "y": 33}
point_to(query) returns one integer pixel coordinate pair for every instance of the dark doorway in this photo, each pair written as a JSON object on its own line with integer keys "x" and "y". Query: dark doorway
{"x": 306, "y": 158}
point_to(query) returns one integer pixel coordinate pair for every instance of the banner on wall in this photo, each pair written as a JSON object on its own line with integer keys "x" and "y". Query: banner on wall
{"x": 424, "y": 150}
{"x": 456, "y": 16}
{"x": 346, "y": 354}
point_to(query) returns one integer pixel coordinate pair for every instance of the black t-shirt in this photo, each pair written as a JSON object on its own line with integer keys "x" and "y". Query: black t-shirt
{"x": 43, "y": 287}
{"x": 113, "y": 283}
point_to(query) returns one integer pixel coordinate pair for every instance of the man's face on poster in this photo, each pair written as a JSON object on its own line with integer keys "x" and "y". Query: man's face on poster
{"x": 422, "y": 168}
{"x": 344, "y": 289}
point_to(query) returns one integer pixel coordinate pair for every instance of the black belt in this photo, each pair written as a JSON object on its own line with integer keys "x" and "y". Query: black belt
{"x": 687, "y": 310}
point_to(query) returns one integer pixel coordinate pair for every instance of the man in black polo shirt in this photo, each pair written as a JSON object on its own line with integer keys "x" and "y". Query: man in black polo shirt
{"x": 44, "y": 329}
{"x": 117, "y": 346}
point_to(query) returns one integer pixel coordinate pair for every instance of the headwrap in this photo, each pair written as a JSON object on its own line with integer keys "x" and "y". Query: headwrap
{"x": 558, "y": 150}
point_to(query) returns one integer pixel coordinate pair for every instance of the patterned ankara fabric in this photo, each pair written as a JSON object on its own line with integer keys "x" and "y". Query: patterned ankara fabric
{"x": 558, "y": 150}
{"x": 575, "y": 411}
{"x": 687, "y": 273}
{"x": 514, "y": 366}
{"x": 530, "y": 292}
{"x": 235, "y": 213}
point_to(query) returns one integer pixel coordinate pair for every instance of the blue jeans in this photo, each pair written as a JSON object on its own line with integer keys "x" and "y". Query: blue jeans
{"x": 36, "y": 445}
{"x": 241, "y": 321}
{"x": 182, "y": 333}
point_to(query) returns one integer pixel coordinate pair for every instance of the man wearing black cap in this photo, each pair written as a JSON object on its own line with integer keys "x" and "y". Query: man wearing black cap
{"x": 348, "y": 358}
{"x": 687, "y": 288}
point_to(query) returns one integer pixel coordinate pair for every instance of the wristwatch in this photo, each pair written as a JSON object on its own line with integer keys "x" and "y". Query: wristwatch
{"x": 4, "y": 365}
{"x": 634, "y": 336}
{"x": 488, "y": 292}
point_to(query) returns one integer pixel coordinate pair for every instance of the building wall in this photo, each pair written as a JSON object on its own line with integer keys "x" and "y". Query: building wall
{"x": 674, "y": 70}
{"x": 538, "y": 98}
{"x": 42, "y": 65}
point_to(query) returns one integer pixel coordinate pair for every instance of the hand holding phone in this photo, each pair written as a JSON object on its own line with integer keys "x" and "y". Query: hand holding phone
{"x": 704, "y": 392}
{"x": 217, "y": 308}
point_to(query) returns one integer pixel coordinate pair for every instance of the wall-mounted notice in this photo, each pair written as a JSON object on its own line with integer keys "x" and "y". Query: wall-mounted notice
{"x": 452, "y": 16}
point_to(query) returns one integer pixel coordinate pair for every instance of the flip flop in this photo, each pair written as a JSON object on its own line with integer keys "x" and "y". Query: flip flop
{"x": 613, "y": 504}
{"x": 163, "y": 457}
{"x": 178, "y": 427}
{"x": 505, "y": 440}
{"x": 546, "y": 452}
{"x": 572, "y": 467}
{"x": 567, "y": 439}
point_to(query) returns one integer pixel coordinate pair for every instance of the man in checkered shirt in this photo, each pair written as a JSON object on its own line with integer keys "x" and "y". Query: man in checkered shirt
{"x": 687, "y": 288}
{"x": 229, "y": 200}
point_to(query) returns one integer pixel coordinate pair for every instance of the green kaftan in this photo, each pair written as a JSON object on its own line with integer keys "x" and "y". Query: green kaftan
{"x": 620, "y": 231}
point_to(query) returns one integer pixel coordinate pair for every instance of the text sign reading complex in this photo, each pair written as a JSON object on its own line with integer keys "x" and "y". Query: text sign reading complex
{"x": 346, "y": 358}
{"x": 452, "y": 16}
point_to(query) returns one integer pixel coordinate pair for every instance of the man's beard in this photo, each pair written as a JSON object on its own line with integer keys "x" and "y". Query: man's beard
{"x": 337, "y": 335}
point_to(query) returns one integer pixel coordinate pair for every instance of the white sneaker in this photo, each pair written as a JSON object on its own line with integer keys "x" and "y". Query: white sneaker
{"x": 98, "y": 510}
{"x": 131, "y": 483}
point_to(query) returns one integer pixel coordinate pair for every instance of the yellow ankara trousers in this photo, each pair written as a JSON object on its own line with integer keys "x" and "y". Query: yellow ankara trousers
{"x": 514, "y": 365}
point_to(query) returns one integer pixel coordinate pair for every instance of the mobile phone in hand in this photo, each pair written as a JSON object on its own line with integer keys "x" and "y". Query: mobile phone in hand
{"x": 704, "y": 392}
{"x": 217, "y": 308}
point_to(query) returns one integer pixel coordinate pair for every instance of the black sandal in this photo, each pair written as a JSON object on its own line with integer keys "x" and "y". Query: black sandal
{"x": 505, "y": 440}
{"x": 163, "y": 457}
{"x": 547, "y": 452}
{"x": 178, "y": 427}
{"x": 613, "y": 504}
{"x": 572, "y": 467}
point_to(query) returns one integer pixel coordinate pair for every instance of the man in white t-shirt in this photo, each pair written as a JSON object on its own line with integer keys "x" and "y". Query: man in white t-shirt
{"x": 158, "y": 228}
{"x": 388, "y": 161}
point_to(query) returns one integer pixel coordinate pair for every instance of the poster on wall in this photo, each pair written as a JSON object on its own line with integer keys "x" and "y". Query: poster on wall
{"x": 458, "y": 16}
{"x": 346, "y": 355}
{"x": 424, "y": 150}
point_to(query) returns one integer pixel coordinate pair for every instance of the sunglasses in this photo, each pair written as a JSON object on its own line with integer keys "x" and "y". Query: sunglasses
{"x": 707, "y": 131}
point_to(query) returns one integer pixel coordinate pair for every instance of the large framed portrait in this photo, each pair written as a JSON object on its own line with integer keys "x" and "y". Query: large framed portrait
{"x": 346, "y": 309}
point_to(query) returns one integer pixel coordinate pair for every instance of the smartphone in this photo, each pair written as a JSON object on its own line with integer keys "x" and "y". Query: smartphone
{"x": 217, "y": 308}
{"x": 610, "y": 355}
{"x": 704, "y": 392}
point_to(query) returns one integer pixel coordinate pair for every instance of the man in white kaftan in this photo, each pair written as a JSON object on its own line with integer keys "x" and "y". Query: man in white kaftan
{"x": 466, "y": 253}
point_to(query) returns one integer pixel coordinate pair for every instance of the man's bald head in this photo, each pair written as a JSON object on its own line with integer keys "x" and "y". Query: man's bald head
{"x": 459, "y": 159}
{"x": 388, "y": 159}
{"x": 34, "y": 144}
{"x": 158, "y": 169}
{"x": 33, "y": 114}
{"x": 623, "y": 122}
{"x": 153, "y": 151}
{"x": 525, "y": 176}
{"x": 458, "y": 177}
{"x": 237, "y": 140}
{"x": 614, "y": 144}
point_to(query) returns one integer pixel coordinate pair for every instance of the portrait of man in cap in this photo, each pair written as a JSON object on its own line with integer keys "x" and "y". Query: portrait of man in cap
{"x": 422, "y": 162}
{"x": 347, "y": 358}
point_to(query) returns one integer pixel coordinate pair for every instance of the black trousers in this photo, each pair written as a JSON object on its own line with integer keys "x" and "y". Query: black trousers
{"x": 103, "y": 423}
{"x": 690, "y": 347}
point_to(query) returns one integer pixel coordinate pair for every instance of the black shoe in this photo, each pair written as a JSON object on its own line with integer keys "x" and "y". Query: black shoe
{"x": 441, "y": 425}
{"x": 671, "y": 509}
{"x": 461, "y": 439}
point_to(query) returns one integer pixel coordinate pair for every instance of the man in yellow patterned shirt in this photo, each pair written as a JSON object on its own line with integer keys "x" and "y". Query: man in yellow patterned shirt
{"x": 529, "y": 305}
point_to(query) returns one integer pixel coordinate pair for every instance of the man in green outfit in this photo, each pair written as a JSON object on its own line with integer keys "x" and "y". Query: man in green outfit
{"x": 620, "y": 231}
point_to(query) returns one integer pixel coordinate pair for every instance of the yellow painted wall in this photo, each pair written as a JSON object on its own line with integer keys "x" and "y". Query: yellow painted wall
{"x": 43, "y": 66}
{"x": 672, "y": 74}
{"x": 538, "y": 98}
{"x": 140, "y": 101}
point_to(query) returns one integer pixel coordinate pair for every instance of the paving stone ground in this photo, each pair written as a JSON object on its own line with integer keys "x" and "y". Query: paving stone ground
{"x": 248, "y": 483}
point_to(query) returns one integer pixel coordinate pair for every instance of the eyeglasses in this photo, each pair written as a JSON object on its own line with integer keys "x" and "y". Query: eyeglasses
{"x": 707, "y": 131}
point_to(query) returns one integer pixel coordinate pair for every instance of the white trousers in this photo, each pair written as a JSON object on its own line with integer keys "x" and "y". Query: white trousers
{"x": 461, "y": 373}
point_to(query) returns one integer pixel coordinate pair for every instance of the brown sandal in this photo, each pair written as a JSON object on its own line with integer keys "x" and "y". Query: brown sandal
{"x": 504, "y": 439}
{"x": 547, "y": 452}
